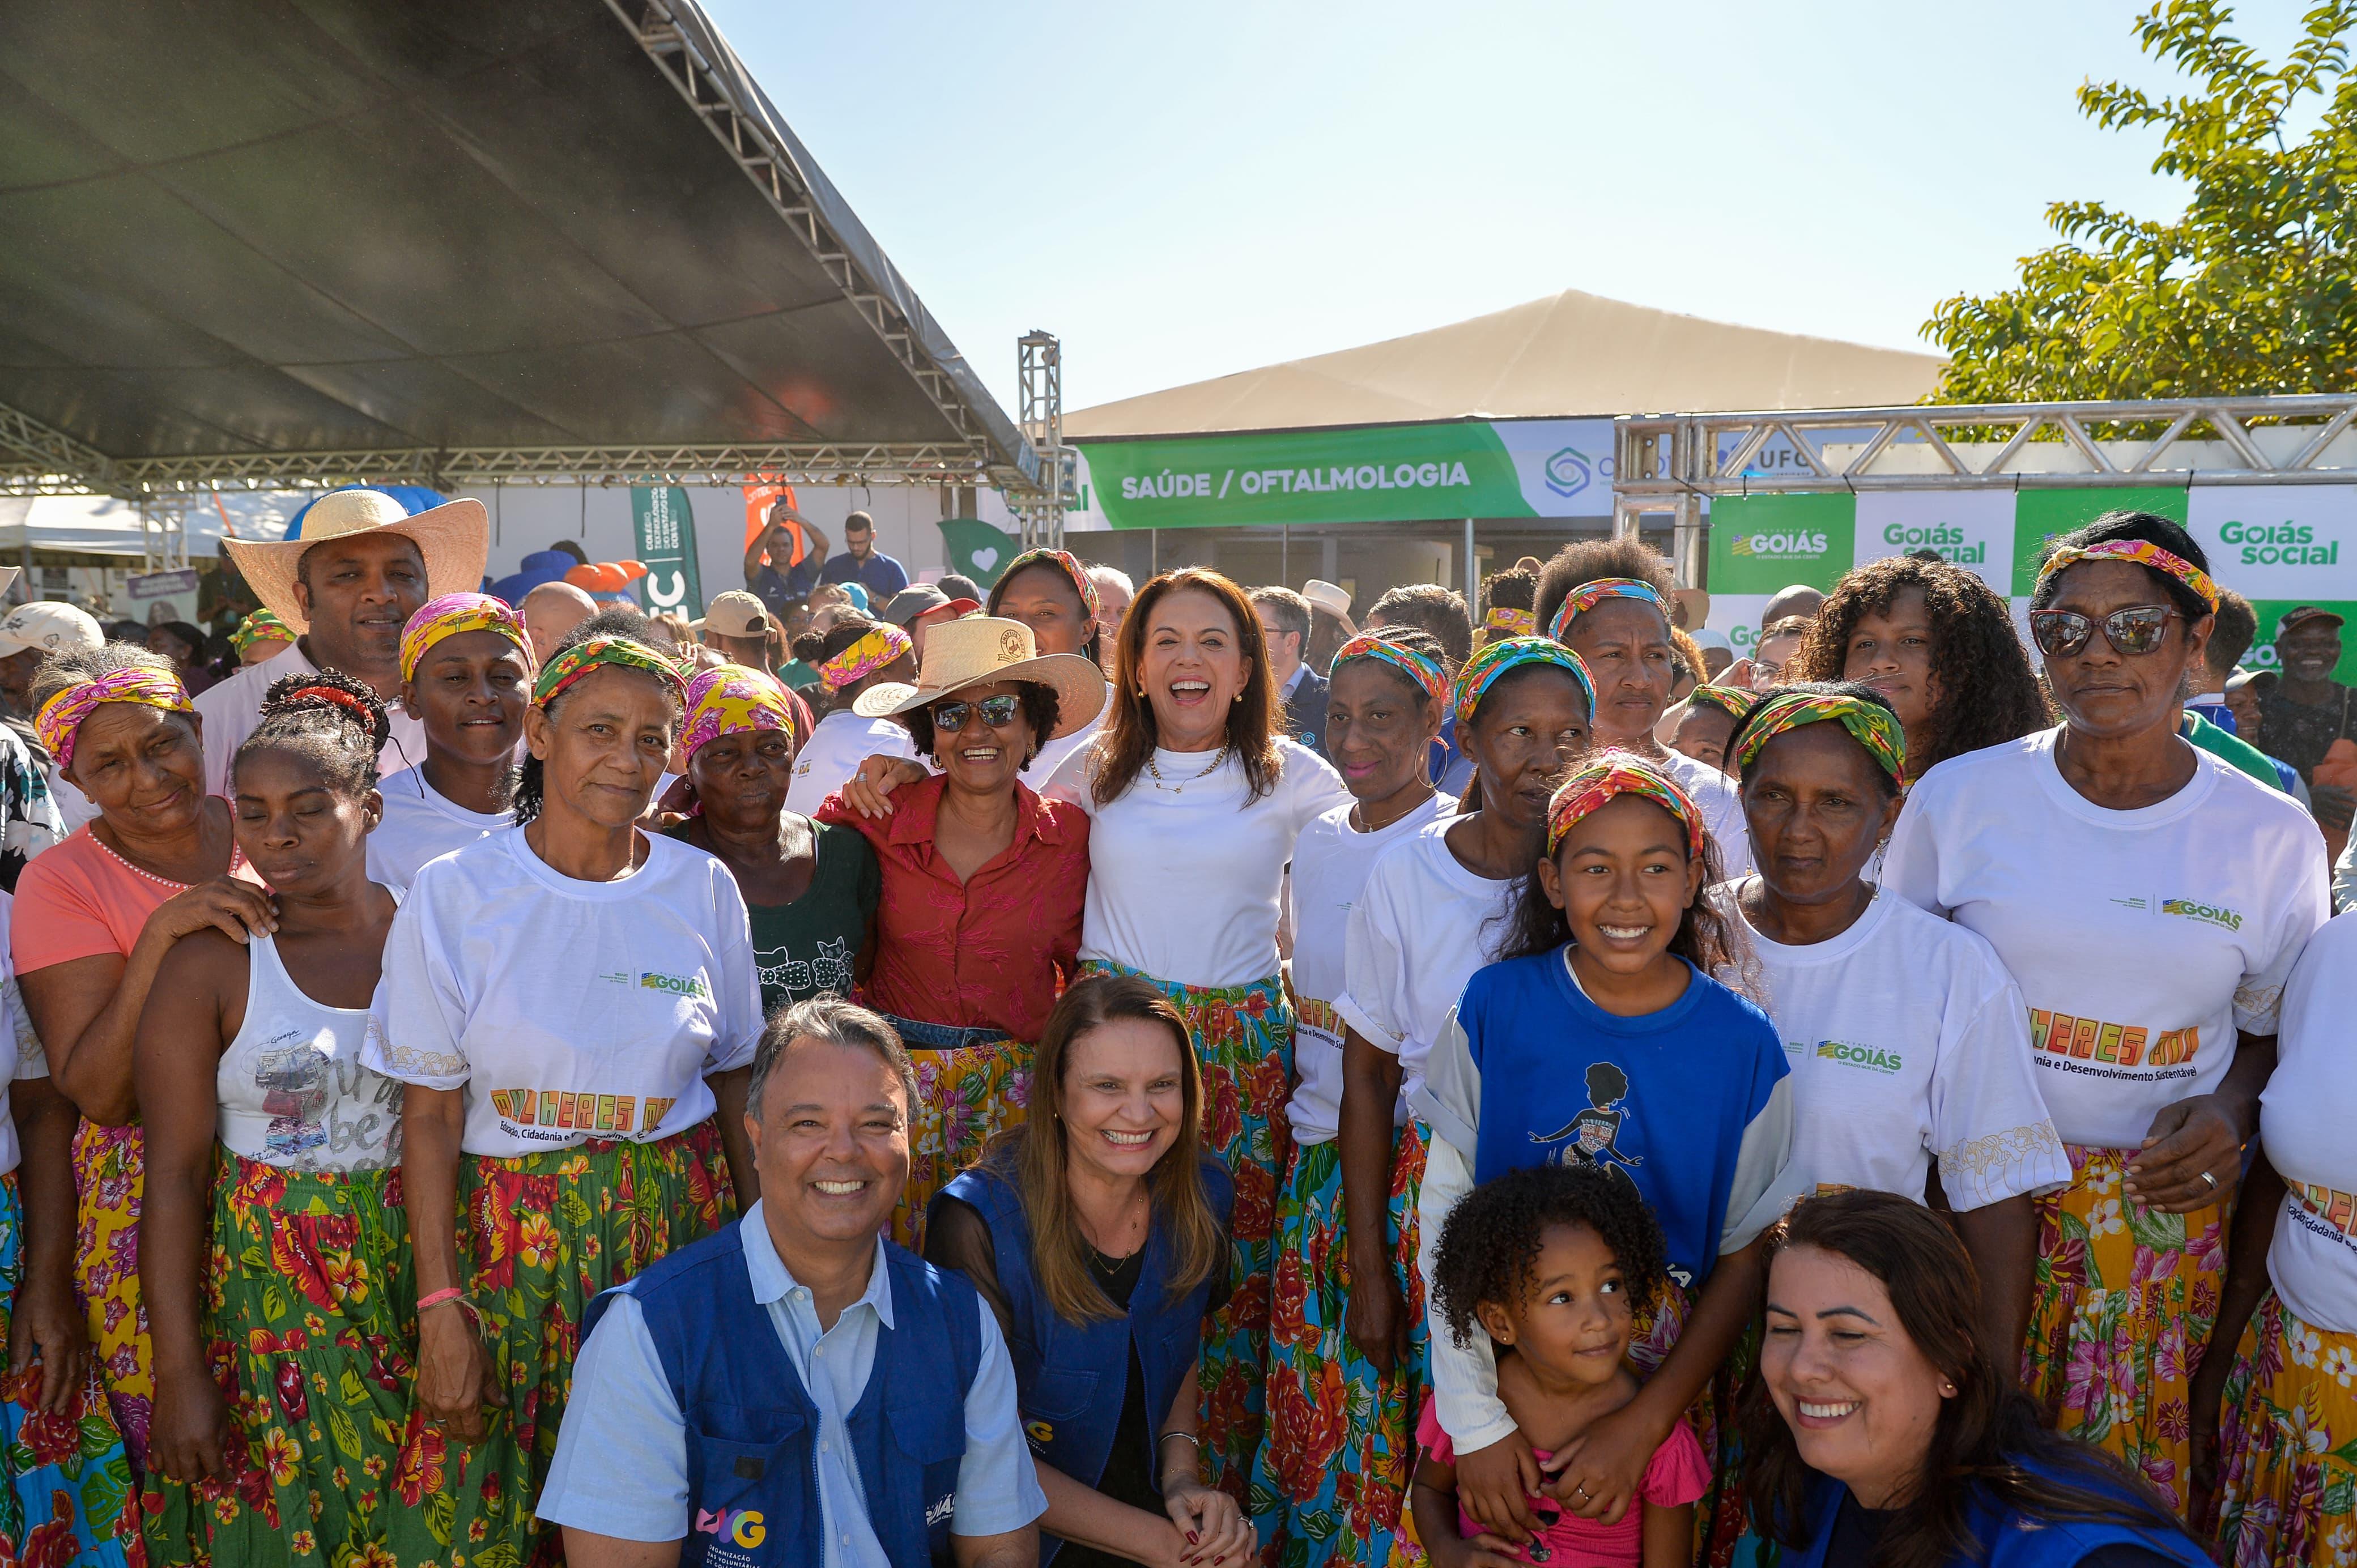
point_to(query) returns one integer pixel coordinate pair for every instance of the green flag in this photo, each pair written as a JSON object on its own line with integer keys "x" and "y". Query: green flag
{"x": 976, "y": 549}
{"x": 666, "y": 534}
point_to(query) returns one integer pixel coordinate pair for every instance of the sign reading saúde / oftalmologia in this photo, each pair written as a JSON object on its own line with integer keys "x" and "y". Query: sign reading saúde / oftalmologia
{"x": 2278, "y": 545}
{"x": 1392, "y": 473}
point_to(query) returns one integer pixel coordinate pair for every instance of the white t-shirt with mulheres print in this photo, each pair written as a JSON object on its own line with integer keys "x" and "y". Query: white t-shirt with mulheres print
{"x": 838, "y": 744}
{"x": 1421, "y": 928}
{"x": 2141, "y": 940}
{"x": 1331, "y": 863}
{"x": 1722, "y": 811}
{"x": 421, "y": 824}
{"x": 567, "y": 1010}
{"x": 1909, "y": 1043}
{"x": 2305, "y": 1117}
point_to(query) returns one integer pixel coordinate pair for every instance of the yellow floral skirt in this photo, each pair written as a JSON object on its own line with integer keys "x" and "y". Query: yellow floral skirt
{"x": 2288, "y": 1446}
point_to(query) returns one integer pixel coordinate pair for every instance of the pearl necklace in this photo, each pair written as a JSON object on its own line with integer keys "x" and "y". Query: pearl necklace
{"x": 1217, "y": 758}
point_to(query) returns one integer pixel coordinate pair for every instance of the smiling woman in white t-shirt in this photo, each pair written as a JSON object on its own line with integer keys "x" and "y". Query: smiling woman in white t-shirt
{"x": 2150, "y": 901}
{"x": 1907, "y": 1041}
{"x": 573, "y": 1008}
{"x": 466, "y": 673}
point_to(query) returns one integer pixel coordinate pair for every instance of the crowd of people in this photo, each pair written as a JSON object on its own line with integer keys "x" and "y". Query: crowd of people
{"x": 1173, "y": 1074}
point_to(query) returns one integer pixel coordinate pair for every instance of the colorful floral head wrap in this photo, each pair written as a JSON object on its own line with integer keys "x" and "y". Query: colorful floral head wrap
{"x": 1588, "y": 596}
{"x": 884, "y": 643}
{"x": 2139, "y": 552}
{"x": 1421, "y": 669}
{"x": 452, "y": 614}
{"x": 1503, "y": 620}
{"x": 1494, "y": 660}
{"x": 1871, "y": 724}
{"x": 730, "y": 699}
{"x": 1732, "y": 701}
{"x": 259, "y": 627}
{"x": 1069, "y": 564}
{"x": 573, "y": 662}
{"x": 1614, "y": 774}
{"x": 60, "y": 717}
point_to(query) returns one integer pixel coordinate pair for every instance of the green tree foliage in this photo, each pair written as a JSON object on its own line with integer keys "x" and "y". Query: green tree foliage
{"x": 2252, "y": 290}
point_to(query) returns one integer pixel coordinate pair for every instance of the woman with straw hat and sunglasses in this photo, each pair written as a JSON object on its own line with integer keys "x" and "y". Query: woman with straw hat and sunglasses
{"x": 2150, "y": 902}
{"x": 983, "y": 883}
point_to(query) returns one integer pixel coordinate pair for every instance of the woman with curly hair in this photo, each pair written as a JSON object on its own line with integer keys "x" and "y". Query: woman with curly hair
{"x": 1939, "y": 644}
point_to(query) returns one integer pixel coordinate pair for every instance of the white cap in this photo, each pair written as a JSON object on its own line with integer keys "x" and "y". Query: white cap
{"x": 48, "y": 626}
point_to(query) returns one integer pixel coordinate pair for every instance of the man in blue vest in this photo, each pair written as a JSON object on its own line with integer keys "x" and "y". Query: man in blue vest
{"x": 793, "y": 1390}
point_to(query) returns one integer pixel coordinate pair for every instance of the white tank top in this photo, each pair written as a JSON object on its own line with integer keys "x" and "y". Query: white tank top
{"x": 293, "y": 1091}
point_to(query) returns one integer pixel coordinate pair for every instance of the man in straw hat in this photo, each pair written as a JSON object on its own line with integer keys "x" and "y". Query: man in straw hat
{"x": 360, "y": 568}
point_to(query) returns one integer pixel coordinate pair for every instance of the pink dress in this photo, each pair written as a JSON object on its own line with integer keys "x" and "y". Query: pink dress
{"x": 1676, "y": 1474}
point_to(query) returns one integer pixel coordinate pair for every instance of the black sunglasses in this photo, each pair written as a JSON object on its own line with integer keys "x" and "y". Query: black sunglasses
{"x": 2135, "y": 631}
{"x": 998, "y": 712}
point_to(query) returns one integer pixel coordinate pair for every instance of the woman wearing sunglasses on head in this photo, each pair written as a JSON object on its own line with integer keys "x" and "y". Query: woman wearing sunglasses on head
{"x": 980, "y": 913}
{"x": 2150, "y": 902}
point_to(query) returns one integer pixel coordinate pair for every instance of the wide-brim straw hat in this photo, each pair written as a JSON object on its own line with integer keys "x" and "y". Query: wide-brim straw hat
{"x": 454, "y": 539}
{"x": 980, "y": 651}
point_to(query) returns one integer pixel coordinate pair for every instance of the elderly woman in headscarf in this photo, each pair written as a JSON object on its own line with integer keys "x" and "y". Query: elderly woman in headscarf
{"x": 260, "y": 635}
{"x": 984, "y": 881}
{"x": 574, "y": 1010}
{"x": 101, "y": 909}
{"x": 465, "y": 674}
{"x": 810, "y": 887}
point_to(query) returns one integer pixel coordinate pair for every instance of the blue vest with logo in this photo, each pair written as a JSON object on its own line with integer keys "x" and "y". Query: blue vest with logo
{"x": 752, "y": 1476}
{"x": 1071, "y": 1378}
{"x": 2011, "y": 1540}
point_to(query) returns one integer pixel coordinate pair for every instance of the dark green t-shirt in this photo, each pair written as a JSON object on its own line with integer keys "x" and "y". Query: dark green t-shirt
{"x": 808, "y": 946}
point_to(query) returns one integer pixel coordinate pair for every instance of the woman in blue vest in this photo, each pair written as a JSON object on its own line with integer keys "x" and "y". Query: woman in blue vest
{"x": 1880, "y": 1431}
{"x": 1098, "y": 1232}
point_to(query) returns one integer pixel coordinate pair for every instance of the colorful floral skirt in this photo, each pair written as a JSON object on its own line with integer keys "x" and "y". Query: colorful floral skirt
{"x": 539, "y": 1236}
{"x": 309, "y": 1323}
{"x": 110, "y": 1175}
{"x": 967, "y": 1093}
{"x": 68, "y": 1502}
{"x": 1332, "y": 1475}
{"x": 1243, "y": 1043}
{"x": 2125, "y": 1302}
{"x": 2288, "y": 1446}
{"x": 1719, "y": 1521}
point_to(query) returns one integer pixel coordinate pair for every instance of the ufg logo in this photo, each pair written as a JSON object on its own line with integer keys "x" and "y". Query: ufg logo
{"x": 743, "y": 1526}
{"x": 1865, "y": 1057}
{"x": 677, "y": 984}
{"x": 2210, "y": 912}
{"x": 1568, "y": 472}
{"x": 1792, "y": 546}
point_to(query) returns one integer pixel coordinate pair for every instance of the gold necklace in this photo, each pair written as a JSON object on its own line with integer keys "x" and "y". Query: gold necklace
{"x": 1217, "y": 758}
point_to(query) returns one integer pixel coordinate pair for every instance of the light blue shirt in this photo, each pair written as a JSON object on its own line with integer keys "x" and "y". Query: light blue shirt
{"x": 621, "y": 1457}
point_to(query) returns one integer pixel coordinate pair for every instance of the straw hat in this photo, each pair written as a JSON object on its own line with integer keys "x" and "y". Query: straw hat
{"x": 979, "y": 651}
{"x": 455, "y": 539}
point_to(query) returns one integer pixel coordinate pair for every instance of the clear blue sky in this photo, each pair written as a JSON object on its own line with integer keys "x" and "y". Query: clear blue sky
{"x": 1183, "y": 190}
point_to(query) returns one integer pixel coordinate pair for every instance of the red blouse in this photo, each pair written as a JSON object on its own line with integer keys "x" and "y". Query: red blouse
{"x": 988, "y": 951}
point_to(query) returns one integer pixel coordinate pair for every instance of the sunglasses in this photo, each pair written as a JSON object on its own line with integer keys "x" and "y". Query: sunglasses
{"x": 998, "y": 712}
{"x": 2135, "y": 631}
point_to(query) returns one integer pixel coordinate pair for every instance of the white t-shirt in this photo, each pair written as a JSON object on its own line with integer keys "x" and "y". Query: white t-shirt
{"x": 233, "y": 708}
{"x": 838, "y": 745}
{"x": 1184, "y": 876}
{"x": 1052, "y": 756}
{"x": 1908, "y": 1043}
{"x": 291, "y": 1089}
{"x": 2305, "y": 1120}
{"x": 567, "y": 1010}
{"x": 420, "y": 825}
{"x": 27, "y": 1061}
{"x": 1331, "y": 862}
{"x": 74, "y": 808}
{"x": 1422, "y": 925}
{"x": 1722, "y": 811}
{"x": 2142, "y": 941}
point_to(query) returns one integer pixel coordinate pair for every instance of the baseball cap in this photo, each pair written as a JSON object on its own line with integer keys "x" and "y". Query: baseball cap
{"x": 45, "y": 626}
{"x": 2300, "y": 615}
{"x": 737, "y": 614}
{"x": 922, "y": 599}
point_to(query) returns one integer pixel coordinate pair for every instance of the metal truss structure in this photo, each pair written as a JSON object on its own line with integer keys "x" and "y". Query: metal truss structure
{"x": 1669, "y": 465}
{"x": 1039, "y": 413}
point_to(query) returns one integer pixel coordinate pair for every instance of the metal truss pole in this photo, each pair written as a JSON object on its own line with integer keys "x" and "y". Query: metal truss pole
{"x": 1039, "y": 414}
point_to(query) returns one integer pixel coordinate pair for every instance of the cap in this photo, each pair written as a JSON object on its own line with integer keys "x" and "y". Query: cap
{"x": 922, "y": 599}
{"x": 1327, "y": 597}
{"x": 47, "y": 627}
{"x": 2300, "y": 615}
{"x": 2264, "y": 680}
{"x": 1707, "y": 639}
{"x": 737, "y": 614}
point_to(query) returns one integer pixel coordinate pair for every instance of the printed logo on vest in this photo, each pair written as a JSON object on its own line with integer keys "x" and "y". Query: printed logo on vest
{"x": 941, "y": 1510}
{"x": 1039, "y": 1432}
{"x": 2193, "y": 910}
{"x": 1865, "y": 1056}
{"x": 743, "y": 1526}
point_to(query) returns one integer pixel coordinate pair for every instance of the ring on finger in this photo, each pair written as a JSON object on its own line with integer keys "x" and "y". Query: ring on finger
{"x": 2211, "y": 1180}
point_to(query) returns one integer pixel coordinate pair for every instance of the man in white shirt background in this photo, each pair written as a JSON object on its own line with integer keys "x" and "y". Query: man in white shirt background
{"x": 360, "y": 569}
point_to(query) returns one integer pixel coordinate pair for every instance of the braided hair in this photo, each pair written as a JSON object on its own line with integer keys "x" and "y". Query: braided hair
{"x": 334, "y": 722}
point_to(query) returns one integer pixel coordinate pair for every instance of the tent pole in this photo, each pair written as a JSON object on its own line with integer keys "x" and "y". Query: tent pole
{"x": 1471, "y": 585}
{"x": 1284, "y": 554}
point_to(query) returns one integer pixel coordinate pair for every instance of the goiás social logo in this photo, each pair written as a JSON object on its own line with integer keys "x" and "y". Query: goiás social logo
{"x": 1786, "y": 544}
{"x": 1952, "y": 543}
{"x": 2279, "y": 544}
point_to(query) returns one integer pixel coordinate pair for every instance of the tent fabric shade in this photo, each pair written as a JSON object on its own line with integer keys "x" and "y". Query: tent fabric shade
{"x": 334, "y": 225}
{"x": 1570, "y": 355}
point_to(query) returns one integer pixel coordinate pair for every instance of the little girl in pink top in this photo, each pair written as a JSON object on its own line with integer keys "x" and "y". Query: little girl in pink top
{"x": 1553, "y": 1262}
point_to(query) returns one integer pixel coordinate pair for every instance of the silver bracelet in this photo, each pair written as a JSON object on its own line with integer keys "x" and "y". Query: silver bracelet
{"x": 1188, "y": 1435}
